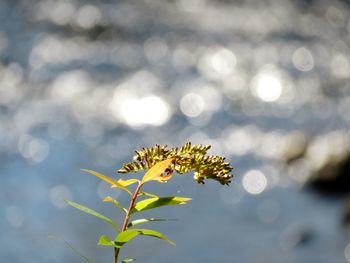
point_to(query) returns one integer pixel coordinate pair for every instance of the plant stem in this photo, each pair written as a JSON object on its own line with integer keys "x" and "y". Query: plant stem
{"x": 127, "y": 217}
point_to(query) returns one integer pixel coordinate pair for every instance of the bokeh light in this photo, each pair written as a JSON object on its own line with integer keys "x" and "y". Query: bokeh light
{"x": 58, "y": 194}
{"x": 14, "y": 216}
{"x": 340, "y": 66}
{"x": 254, "y": 182}
{"x": 148, "y": 110}
{"x": 88, "y": 16}
{"x": 303, "y": 59}
{"x": 217, "y": 63}
{"x": 241, "y": 141}
{"x": 84, "y": 84}
{"x": 192, "y": 105}
{"x": 347, "y": 253}
{"x": 267, "y": 86}
{"x": 33, "y": 149}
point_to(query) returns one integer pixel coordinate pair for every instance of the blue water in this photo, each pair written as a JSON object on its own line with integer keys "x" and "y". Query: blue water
{"x": 82, "y": 85}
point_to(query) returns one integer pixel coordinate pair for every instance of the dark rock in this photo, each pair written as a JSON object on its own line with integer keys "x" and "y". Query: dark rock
{"x": 326, "y": 161}
{"x": 333, "y": 177}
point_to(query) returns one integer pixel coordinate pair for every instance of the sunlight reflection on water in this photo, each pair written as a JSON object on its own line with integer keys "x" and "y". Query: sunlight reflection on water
{"x": 83, "y": 84}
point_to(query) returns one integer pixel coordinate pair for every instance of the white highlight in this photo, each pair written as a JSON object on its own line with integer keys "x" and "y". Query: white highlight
{"x": 254, "y": 182}
{"x": 88, "y": 16}
{"x": 223, "y": 61}
{"x": 217, "y": 63}
{"x": 347, "y": 253}
{"x": 150, "y": 110}
{"x": 340, "y": 66}
{"x": 269, "y": 88}
{"x": 192, "y": 105}
{"x": 303, "y": 59}
{"x": 33, "y": 149}
{"x": 136, "y": 112}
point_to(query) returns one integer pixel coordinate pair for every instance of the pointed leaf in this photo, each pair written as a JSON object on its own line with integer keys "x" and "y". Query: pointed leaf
{"x": 127, "y": 260}
{"x": 147, "y": 194}
{"x": 105, "y": 241}
{"x": 108, "y": 180}
{"x": 126, "y": 182}
{"x": 156, "y": 171}
{"x": 127, "y": 235}
{"x": 73, "y": 249}
{"x": 145, "y": 220}
{"x": 115, "y": 202}
{"x": 92, "y": 212}
{"x": 154, "y": 202}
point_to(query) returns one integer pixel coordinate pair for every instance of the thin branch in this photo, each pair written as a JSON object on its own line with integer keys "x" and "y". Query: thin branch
{"x": 127, "y": 217}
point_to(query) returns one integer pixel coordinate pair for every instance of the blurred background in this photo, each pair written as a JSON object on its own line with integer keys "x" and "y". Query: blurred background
{"x": 85, "y": 83}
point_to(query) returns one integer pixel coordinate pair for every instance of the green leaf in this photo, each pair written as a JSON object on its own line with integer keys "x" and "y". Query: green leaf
{"x": 145, "y": 220}
{"x": 127, "y": 260}
{"x": 105, "y": 241}
{"x": 108, "y": 180}
{"x": 127, "y": 235}
{"x": 147, "y": 194}
{"x": 115, "y": 202}
{"x": 72, "y": 248}
{"x": 154, "y": 202}
{"x": 156, "y": 171}
{"x": 92, "y": 212}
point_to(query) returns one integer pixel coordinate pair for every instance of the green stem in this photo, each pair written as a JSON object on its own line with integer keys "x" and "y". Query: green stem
{"x": 127, "y": 217}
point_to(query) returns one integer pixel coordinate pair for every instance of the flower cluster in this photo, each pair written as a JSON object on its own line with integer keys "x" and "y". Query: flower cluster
{"x": 187, "y": 158}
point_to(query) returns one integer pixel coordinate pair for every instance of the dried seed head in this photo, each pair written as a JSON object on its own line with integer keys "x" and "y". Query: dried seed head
{"x": 188, "y": 157}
